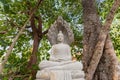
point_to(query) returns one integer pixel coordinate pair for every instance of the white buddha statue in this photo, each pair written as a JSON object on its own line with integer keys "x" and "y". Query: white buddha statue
{"x": 60, "y": 51}
{"x": 60, "y": 66}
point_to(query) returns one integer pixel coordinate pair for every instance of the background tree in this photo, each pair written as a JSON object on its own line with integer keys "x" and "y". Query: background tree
{"x": 97, "y": 43}
{"x": 14, "y": 14}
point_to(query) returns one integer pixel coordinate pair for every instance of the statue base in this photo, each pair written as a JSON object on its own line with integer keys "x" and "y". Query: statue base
{"x": 69, "y": 71}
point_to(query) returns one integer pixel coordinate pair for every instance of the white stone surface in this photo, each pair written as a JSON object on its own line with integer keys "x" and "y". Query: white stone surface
{"x": 68, "y": 65}
{"x": 44, "y": 74}
{"x": 77, "y": 74}
{"x": 1, "y": 68}
{"x": 119, "y": 71}
{"x": 60, "y": 66}
{"x": 41, "y": 79}
{"x": 79, "y": 79}
{"x": 61, "y": 53}
{"x": 60, "y": 75}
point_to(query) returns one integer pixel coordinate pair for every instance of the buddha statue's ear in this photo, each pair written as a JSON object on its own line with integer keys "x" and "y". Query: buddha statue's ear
{"x": 64, "y": 27}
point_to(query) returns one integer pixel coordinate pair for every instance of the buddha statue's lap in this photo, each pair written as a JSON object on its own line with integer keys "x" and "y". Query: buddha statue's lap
{"x": 63, "y": 66}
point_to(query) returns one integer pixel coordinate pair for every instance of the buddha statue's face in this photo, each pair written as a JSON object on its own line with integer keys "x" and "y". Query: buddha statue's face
{"x": 60, "y": 37}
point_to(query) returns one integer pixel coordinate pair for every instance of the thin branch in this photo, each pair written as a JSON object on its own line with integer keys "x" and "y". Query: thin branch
{"x": 45, "y": 32}
{"x": 39, "y": 25}
{"x": 111, "y": 14}
{"x": 3, "y": 32}
{"x": 17, "y": 36}
{"x": 13, "y": 24}
{"x": 34, "y": 28}
{"x": 28, "y": 27}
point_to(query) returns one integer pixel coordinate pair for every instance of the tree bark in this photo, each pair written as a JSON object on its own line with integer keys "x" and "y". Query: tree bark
{"x": 91, "y": 60}
{"x": 106, "y": 69}
{"x": 92, "y": 27}
{"x": 37, "y": 36}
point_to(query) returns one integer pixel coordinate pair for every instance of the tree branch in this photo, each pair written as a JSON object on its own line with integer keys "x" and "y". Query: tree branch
{"x": 111, "y": 14}
{"x": 3, "y": 32}
{"x": 39, "y": 26}
{"x": 45, "y": 32}
{"x": 34, "y": 28}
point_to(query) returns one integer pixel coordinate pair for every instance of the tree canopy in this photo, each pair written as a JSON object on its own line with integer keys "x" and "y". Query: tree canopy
{"x": 14, "y": 14}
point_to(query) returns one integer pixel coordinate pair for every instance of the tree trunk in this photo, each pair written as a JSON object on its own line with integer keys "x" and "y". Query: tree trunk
{"x": 37, "y": 36}
{"x": 93, "y": 42}
{"x": 106, "y": 69}
{"x": 92, "y": 27}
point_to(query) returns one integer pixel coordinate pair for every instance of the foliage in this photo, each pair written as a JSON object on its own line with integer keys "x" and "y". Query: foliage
{"x": 14, "y": 13}
{"x": 115, "y": 35}
{"x": 103, "y": 8}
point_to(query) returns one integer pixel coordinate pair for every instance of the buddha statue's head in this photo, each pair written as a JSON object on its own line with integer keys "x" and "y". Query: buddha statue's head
{"x": 60, "y": 37}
